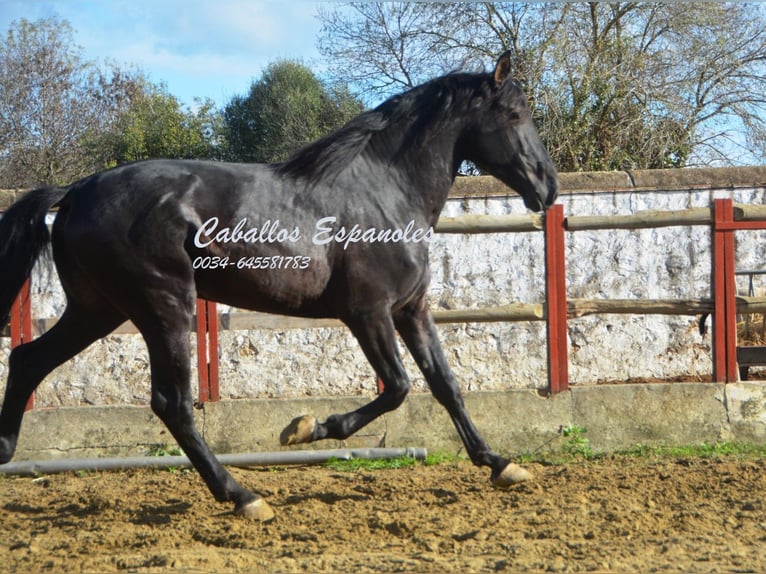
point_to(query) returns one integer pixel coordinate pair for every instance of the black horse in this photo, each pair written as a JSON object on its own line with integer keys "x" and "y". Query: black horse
{"x": 339, "y": 230}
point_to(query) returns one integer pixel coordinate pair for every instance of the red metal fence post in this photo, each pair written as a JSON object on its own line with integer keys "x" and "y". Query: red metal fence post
{"x": 730, "y": 264}
{"x": 207, "y": 351}
{"x": 202, "y": 372}
{"x": 212, "y": 323}
{"x": 556, "y": 300}
{"x": 724, "y": 294}
{"x": 725, "y": 289}
{"x": 21, "y": 323}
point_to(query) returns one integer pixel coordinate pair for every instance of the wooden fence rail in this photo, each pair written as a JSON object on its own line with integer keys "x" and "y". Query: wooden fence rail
{"x": 250, "y": 320}
{"x": 724, "y": 217}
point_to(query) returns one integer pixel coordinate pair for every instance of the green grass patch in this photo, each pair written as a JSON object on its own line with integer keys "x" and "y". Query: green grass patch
{"x": 356, "y": 464}
{"x": 161, "y": 450}
{"x": 164, "y": 450}
{"x": 442, "y": 458}
{"x": 702, "y": 450}
{"x": 577, "y": 451}
{"x": 576, "y": 445}
{"x": 575, "y": 448}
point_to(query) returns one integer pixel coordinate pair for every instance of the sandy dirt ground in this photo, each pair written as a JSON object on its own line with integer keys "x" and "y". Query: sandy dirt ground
{"x": 611, "y": 515}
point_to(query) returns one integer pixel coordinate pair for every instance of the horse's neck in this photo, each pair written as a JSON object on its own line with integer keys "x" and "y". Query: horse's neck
{"x": 432, "y": 169}
{"x": 423, "y": 159}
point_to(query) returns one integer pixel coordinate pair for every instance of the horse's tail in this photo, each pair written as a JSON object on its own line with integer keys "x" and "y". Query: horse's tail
{"x": 23, "y": 236}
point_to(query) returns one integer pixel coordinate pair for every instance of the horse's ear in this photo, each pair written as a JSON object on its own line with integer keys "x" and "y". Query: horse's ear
{"x": 502, "y": 68}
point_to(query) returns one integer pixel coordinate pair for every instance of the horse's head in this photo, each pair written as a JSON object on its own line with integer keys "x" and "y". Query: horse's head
{"x": 504, "y": 142}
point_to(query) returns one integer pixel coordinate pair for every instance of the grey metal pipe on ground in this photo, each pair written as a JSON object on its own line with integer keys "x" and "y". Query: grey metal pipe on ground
{"x": 35, "y": 467}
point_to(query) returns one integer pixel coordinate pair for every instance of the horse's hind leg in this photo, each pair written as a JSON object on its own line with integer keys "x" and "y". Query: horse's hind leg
{"x": 377, "y": 338}
{"x": 165, "y": 327}
{"x": 415, "y": 325}
{"x": 30, "y": 363}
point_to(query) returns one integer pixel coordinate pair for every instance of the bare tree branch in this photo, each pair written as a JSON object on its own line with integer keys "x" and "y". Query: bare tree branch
{"x": 611, "y": 84}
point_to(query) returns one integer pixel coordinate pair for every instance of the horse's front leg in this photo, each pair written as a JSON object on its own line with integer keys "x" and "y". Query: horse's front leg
{"x": 415, "y": 325}
{"x": 376, "y": 335}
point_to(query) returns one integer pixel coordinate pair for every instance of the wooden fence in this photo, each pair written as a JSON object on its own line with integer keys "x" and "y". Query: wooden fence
{"x": 724, "y": 218}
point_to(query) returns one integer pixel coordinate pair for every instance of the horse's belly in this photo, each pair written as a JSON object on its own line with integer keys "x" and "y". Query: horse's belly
{"x": 285, "y": 284}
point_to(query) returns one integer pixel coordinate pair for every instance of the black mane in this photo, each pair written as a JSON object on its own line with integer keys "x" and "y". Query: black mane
{"x": 410, "y": 113}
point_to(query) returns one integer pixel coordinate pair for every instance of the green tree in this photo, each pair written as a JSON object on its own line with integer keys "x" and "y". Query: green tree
{"x": 611, "y": 85}
{"x": 156, "y": 125}
{"x": 287, "y": 108}
{"x": 51, "y": 103}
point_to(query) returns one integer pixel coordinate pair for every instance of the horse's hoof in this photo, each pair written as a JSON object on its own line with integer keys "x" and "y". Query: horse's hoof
{"x": 300, "y": 430}
{"x": 257, "y": 509}
{"x": 511, "y": 474}
{"x": 7, "y": 448}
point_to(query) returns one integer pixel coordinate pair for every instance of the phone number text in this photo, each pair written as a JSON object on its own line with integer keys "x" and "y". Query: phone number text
{"x": 271, "y": 262}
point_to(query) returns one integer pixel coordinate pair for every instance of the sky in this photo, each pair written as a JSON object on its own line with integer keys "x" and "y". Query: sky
{"x": 198, "y": 48}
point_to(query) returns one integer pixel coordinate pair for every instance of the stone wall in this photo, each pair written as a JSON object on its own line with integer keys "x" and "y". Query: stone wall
{"x": 475, "y": 271}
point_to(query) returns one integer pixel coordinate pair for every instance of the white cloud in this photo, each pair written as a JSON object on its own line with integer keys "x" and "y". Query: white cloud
{"x": 198, "y": 47}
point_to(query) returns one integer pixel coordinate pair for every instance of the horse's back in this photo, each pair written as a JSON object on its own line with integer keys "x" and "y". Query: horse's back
{"x": 153, "y": 201}
{"x": 129, "y": 189}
